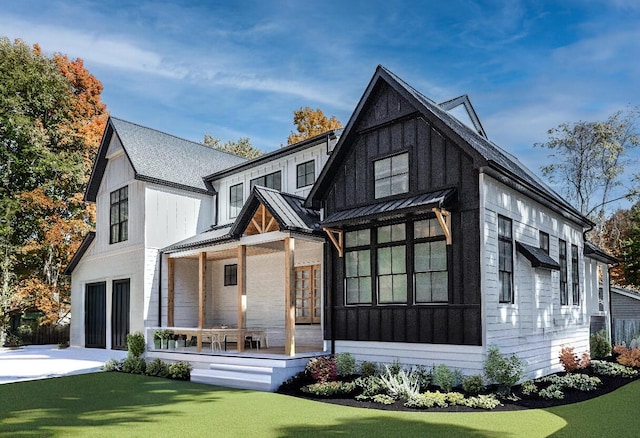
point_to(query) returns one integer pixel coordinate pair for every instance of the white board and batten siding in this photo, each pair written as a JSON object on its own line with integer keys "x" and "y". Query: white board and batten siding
{"x": 535, "y": 326}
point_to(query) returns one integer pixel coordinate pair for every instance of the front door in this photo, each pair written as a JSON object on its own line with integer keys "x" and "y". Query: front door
{"x": 120, "y": 314}
{"x": 95, "y": 315}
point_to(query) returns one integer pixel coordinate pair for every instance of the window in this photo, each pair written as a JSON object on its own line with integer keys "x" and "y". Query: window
{"x": 271, "y": 181}
{"x": 505, "y": 259}
{"x": 231, "y": 275}
{"x": 357, "y": 261}
{"x": 430, "y": 262}
{"x": 119, "y": 215}
{"x": 575, "y": 278}
{"x": 235, "y": 200}
{"x": 308, "y": 297}
{"x": 391, "y": 175}
{"x": 305, "y": 174}
{"x": 391, "y": 264}
{"x": 562, "y": 255}
{"x": 544, "y": 242}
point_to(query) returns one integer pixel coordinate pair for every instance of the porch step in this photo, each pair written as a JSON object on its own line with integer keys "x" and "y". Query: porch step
{"x": 259, "y": 378}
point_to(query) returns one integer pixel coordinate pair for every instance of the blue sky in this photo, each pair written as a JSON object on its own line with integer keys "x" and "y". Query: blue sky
{"x": 239, "y": 68}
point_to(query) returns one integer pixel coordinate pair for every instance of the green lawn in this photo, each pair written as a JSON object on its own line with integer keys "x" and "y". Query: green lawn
{"x": 117, "y": 404}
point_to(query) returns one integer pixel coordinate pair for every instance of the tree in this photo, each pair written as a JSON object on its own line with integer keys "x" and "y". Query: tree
{"x": 242, "y": 147}
{"x": 589, "y": 159}
{"x": 51, "y": 119}
{"x": 310, "y": 123}
{"x": 631, "y": 249}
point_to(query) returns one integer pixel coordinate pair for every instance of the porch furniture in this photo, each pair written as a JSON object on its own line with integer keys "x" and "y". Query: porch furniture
{"x": 218, "y": 337}
{"x": 216, "y": 341}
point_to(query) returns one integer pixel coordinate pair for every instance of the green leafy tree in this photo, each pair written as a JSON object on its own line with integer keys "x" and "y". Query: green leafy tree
{"x": 242, "y": 147}
{"x": 310, "y": 122}
{"x": 631, "y": 249}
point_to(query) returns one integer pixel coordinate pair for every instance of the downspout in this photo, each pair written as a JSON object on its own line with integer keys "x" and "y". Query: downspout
{"x": 160, "y": 289}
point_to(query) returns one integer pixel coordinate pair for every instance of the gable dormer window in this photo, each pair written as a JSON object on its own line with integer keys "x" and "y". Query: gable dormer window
{"x": 391, "y": 175}
{"x": 119, "y": 218}
{"x": 270, "y": 181}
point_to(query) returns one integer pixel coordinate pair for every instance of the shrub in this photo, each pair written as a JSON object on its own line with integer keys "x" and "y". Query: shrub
{"x": 402, "y": 385}
{"x": 157, "y": 367}
{"x": 570, "y": 361}
{"x": 443, "y": 377}
{"x": 504, "y": 371}
{"x": 112, "y": 365}
{"x": 383, "y": 399}
{"x": 135, "y": 344}
{"x": 424, "y": 377}
{"x": 368, "y": 369}
{"x": 599, "y": 345}
{"x": 13, "y": 341}
{"x": 345, "y": 364}
{"x": 612, "y": 369}
{"x": 551, "y": 392}
{"x": 427, "y": 399}
{"x": 322, "y": 369}
{"x": 180, "y": 370}
{"x": 629, "y": 357}
{"x": 581, "y": 382}
{"x": 370, "y": 387}
{"x": 455, "y": 398}
{"x": 395, "y": 367}
{"x": 473, "y": 384}
{"x": 483, "y": 402}
{"x": 329, "y": 389}
{"x": 134, "y": 365}
{"x": 529, "y": 387}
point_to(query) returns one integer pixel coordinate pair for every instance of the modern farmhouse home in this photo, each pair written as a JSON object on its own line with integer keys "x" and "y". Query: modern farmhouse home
{"x": 407, "y": 236}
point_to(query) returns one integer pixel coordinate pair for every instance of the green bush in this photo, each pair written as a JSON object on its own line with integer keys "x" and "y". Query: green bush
{"x": 370, "y": 387}
{"x": 599, "y": 345}
{"x": 427, "y": 399}
{"x": 612, "y": 369}
{"x": 345, "y": 364}
{"x": 157, "y": 367}
{"x": 112, "y": 365}
{"x": 368, "y": 369}
{"x": 134, "y": 365}
{"x": 482, "y": 402}
{"x": 443, "y": 377}
{"x": 473, "y": 384}
{"x": 136, "y": 344}
{"x": 394, "y": 368}
{"x": 329, "y": 389}
{"x": 424, "y": 376}
{"x": 180, "y": 370}
{"x": 501, "y": 370}
{"x": 529, "y": 387}
{"x": 383, "y": 399}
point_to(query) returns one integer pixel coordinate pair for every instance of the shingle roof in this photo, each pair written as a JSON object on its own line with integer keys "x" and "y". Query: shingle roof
{"x": 396, "y": 206}
{"x": 161, "y": 158}
{"x": 596, "y": 253}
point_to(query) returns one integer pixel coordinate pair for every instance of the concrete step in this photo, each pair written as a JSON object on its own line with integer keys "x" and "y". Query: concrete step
{"x": 235, "y": 379}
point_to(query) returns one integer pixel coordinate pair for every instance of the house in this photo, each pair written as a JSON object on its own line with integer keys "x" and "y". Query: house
{"x": 625, "y": 315}
{"x": 408, "y": 236}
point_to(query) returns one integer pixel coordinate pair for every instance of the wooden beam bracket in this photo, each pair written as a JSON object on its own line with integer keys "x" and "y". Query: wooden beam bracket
{"x": 444, "y": 218}
{"x": 337, "y": 238}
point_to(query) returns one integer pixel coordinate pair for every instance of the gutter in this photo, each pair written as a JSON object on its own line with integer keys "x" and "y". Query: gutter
{"x": 160, "y": 255}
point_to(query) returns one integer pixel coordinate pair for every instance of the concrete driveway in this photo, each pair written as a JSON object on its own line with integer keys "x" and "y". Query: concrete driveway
{"x": 45, "y": 361}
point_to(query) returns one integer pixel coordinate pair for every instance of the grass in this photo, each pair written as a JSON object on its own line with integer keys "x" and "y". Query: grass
{"x": 118, "y": 404}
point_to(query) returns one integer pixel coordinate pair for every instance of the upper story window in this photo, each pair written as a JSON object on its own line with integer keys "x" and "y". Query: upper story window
{"x": 119, "y": 217}
{"x": 505, "y": 259}
{"x": 544, "y": 242}
{"x": 235, "y": 200}
{"x": 562, "y": 256}
{"x": 575, "y": 277}
{"x": 305, "y": 174}
{"x": 271, "y": 181}
{"x": 391, "y": 175}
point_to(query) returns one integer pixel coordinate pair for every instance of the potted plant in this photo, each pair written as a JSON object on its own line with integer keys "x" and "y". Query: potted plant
{"x": 171, "y": 340}
{"x": 181, "y": 341}
{"x": 157, "y": 339}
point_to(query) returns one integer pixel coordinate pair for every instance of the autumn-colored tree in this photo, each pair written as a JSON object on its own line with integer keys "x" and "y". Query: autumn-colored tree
{"x": 51, "y": 119}
{"x": 310, "y": 122}
{"x": 242, "y": 147}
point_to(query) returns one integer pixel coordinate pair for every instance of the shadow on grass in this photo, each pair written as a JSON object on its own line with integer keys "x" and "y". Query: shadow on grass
{"x": 46, "y": 407}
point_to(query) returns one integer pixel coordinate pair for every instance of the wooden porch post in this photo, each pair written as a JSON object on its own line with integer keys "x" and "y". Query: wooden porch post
{"x": 170, "y": 291}
{"x": 290, "y": 298}
{"x": 202, "y": 295}
{"x": 242, "y": 293}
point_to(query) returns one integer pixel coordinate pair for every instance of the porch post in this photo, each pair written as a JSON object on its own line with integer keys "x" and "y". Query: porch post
{"x": 202, "y": 295}
{"x": 170, "y": 291}
{"x": 290, "y": 299}
{"x": 242, "y": 293}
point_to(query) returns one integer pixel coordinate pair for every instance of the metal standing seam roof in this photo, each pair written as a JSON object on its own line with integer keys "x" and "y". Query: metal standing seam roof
{"x": 211, "y": 236}
{"x": 437, "y": 198}
{"x": 537, "y": 256}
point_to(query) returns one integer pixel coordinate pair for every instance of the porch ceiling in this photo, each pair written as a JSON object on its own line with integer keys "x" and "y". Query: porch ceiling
{"x": 252, "y": 250}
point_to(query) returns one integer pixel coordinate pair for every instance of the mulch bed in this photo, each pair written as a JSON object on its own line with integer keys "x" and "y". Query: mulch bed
{"x": 520, "y": 401}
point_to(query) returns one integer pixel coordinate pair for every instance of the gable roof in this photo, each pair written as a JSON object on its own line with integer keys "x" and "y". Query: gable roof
{"x": 84, "y": 246}
{"x": 594, "y": 252}
{"x": 492, "y": 159}
{"x": 160, "y": 158}
{"x": 463, "y": 100}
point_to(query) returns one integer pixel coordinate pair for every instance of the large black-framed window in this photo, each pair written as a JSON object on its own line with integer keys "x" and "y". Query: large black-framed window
{"x": 562, "y": 258}
{"x": 305, "y": 174}
{"x": 235, "y": 200}
{"x": 271, "y": 181}
{"x": 431, "y": 277}
{"x": 119, "y": 215}
{"x": 357, "y": 261}
{"x": 391, "y": 175}
{"x": 505, "y": 259}
{"x": 391, "y": 261}
{"x": 575, "y": 276}
{"x": 544, "y": 241}
{"x": 231, "y": 275}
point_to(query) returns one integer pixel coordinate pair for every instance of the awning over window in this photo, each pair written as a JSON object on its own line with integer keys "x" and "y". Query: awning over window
{"x": 396, "y": 206}
{"x": 537, "y": 256}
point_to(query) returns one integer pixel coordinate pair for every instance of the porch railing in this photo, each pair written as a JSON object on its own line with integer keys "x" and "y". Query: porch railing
{"x": 215, "y": 339}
